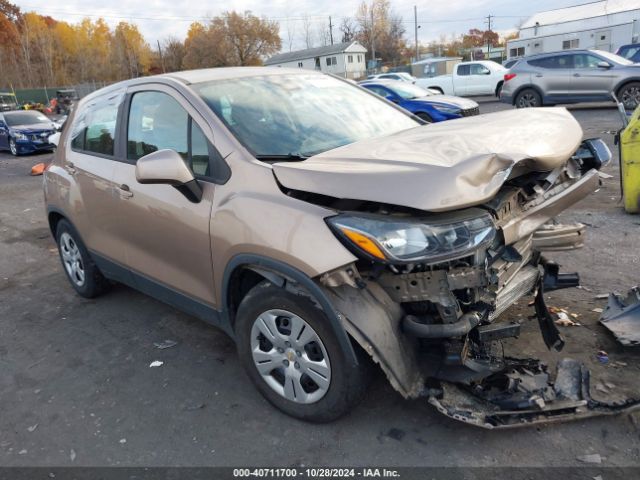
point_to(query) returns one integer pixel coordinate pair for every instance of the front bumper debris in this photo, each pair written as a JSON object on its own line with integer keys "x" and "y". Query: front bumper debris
{"x": 622, "y": 317}
{"x": 524, "y": 394}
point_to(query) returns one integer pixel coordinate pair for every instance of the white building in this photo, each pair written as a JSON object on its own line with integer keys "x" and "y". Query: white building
{"x": 344, "y": 59}
{"x": 602, "y": 25}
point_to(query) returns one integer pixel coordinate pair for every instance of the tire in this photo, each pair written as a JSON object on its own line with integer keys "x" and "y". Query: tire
{"x": 81, "y": 271}
{"x": 528, "y": 98}
{"x": 629, "y": 95}
{"x": 425, "y": 117}
{"x": 13, "y": 148}
{"x": 499, "y": 90}
{"x": 267, "y": 321}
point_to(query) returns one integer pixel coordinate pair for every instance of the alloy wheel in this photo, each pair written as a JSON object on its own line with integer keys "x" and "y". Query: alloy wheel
{"x": 290, "y": 357}
{"x": 631, "y": 98}
{"x": 72, "y": 259}
{"x": 13, "y": 147}
{"x": 527, "y": 100}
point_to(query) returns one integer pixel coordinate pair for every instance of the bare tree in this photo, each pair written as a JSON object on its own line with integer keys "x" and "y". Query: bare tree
{"x": 291, "y": 32}
{"x": 307, "y": 31}
{"x": 349, "y": 29}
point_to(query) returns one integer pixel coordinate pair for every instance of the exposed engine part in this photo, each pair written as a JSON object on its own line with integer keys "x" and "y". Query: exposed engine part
{"x": 556, "y": 237}
{"x": 414, "y": 327}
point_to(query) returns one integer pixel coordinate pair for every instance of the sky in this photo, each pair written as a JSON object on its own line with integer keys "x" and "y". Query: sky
{"x": 158, "y": 19}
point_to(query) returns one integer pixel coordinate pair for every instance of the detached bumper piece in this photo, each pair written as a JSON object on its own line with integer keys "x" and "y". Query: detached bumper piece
{"x": 622, "y": 317}
{"x": 523, "y": 394}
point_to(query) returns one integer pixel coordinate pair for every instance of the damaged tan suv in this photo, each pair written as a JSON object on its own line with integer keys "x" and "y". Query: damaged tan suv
{"x": 321, "y": 226}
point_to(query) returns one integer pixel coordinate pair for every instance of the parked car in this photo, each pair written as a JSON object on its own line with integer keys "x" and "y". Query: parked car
{"x": 25, "y": 131}
{"x": 571, "y": 77}
{"x": 422, "y": 103}
{"x": 483, "y": 77}
{"x": 510, "y": 63}
{"x": 319, "y": 225}
{"x": 8, "y": 102}
{"x": 399, "y": 76}
{"x": 630, "y": 52}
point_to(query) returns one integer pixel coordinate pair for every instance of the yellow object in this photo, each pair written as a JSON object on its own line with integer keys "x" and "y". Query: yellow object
{"x": 364, "y": 243}
{"x": 630, "y": 163}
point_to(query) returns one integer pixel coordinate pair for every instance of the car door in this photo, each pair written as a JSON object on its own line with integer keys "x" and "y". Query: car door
{"x": 87, "y": 174}
{"x": 4, "y": 134}
{"x": 553, "y": 75}
{"x": 164, "y": 234}
{"x": 590, "y": 81}
{"x": 460, "y": 80}
{"x": 479, "y": 80}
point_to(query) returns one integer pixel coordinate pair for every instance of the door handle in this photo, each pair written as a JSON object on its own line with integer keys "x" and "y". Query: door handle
{"x": 70, "y": 168}
{"x": 125, "y": 191}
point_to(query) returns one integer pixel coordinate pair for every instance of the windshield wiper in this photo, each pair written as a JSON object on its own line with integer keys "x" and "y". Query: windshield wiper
{"x": 290, "y": 157}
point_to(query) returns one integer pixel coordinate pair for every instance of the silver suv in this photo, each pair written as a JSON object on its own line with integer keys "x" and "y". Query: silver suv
{"x": 571, "y": 77}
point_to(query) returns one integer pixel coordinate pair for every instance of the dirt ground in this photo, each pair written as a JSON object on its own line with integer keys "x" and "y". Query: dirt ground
{"x": 76, "y": 387}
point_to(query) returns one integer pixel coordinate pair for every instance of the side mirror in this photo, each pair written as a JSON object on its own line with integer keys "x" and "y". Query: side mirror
{"x": 604, "y": 64}
{"x": 167, "y": 167}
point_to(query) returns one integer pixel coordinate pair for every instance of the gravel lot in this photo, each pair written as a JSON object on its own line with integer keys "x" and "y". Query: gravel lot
{"x": 76, "y": 387}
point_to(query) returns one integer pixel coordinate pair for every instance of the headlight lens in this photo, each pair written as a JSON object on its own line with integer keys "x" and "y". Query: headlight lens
{"x": 21, "y": 136}
{"x": 446, "y": 109}
{"x": 413, "y": 240}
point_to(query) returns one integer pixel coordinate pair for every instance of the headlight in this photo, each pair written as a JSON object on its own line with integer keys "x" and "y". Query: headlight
{"x": 446, "y": 109}
{"x": 20, "y": 136}
{"x": 413, "y": 240}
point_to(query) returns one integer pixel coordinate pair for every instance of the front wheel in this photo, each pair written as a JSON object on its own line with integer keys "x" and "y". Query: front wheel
{"x": 528, "y": 98}
{"x": 291, "y": 353}
{"x": 13, "y": 148}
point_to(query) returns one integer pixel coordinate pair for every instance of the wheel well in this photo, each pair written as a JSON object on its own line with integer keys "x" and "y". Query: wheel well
{"x": 436, "y": 88}
{"x": 626, "y": 82}
{"x": 527, "y": 87}
{"x": 500, "y": 83}
{"x": 241, "y": 281}
{"x": 54, "y": 219}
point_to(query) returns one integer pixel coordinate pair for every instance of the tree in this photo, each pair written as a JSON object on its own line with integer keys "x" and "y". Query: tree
{"x": 379, "y": 26}
{"x": 232, "y": 39}
{"x": 131, "y": 53}
{"x": 173, "y": 52}
{"x": 348, "y": 29}
{"x": 480, "y": 38}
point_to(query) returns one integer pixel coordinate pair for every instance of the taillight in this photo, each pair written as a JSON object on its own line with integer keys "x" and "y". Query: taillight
{"x": 509, "y": 76}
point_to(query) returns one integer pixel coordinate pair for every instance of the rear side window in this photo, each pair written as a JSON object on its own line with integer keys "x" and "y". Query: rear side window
{"x": 95, "y": 126}
{"x": 479, "y": 69}
{"x": 560, "y": 61}
{"x": 464, "y": 70}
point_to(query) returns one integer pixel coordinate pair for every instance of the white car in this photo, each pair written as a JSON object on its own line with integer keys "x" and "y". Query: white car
{"x": 483, "y": 77}
{"x": 400, "y": 76}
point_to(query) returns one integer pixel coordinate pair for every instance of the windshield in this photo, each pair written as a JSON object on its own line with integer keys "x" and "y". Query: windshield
{"x": 614, "y": 58}
{"x": 25, "y": 118}
{"x": 299, "y": 114}
{"x": 408, "y": 91}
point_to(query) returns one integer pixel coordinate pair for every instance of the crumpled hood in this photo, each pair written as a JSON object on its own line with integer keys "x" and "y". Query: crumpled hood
{"x": 463, "y": 103}
{"x": 442, "y": 166}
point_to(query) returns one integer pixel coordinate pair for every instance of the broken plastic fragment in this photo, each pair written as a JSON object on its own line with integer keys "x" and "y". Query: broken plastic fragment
{"x": 156, "y": 363}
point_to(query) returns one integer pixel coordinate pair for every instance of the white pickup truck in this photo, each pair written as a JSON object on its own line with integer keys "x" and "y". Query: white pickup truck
{"x": 482, "y": 77}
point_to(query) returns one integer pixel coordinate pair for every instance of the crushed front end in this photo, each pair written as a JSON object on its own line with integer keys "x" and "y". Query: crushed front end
{"x": 427, "y": 297}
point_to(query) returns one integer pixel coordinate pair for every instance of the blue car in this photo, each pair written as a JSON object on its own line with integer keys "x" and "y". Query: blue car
{"x": 426, "y": 104}
{"x": 25, "y": 131}
{"x": 630, "y": 52}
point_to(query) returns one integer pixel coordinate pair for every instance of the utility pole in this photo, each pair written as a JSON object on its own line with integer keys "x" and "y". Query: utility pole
{"x": 330, "y": 30}
{"x": 488, "y": 38}
{"x": 373, "y": 38}
{"x": 415, "y": 19}
{"x": 161, "y": 57}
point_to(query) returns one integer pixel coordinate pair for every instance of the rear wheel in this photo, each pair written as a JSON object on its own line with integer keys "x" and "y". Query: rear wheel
{"x": 424, "y": 116}
{"x": 13, "y": 148}
{"x": 82, "y": 272}
{"x": 629, "y": 95}
{"x": 291, "y": 353}
{"x": 528, "y": 98}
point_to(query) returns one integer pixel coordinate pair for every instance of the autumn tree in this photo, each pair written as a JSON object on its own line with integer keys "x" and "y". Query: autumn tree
{"x": 173, "y": 52}
{"x": 480, "y": 38}
{"x": 130, "y": 53}
{"x": 232, "y": 39}
{"x": 378, "y": 25}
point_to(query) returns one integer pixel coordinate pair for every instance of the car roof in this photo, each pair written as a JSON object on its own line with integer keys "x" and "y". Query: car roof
{"x": 385, "y": 82}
